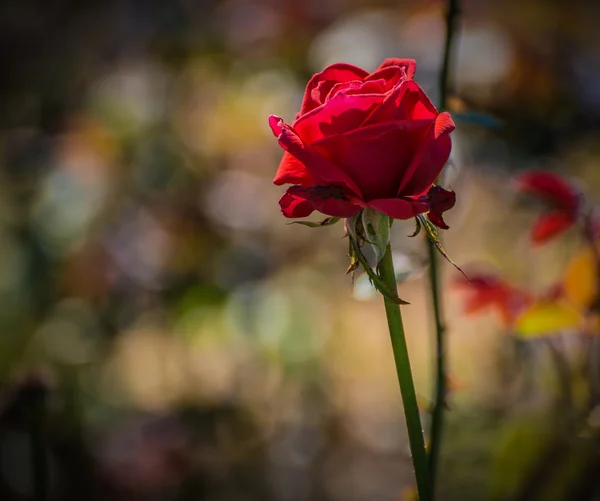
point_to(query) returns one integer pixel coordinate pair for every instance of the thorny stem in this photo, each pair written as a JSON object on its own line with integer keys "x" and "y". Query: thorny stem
{"x": 407, "y": 387}
{"x": 437, "y": 418}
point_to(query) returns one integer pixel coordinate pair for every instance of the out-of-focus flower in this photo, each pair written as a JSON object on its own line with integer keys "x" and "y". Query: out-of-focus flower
{"x": 546, "y": 318}
{"x": 489, "y": 291}
{"x": 562, "y": 197}
{"x": 365, "y": 140}
{"x": 580, "y": 279}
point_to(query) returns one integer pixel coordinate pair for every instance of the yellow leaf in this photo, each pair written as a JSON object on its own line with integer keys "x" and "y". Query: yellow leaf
{"x": 579, "y": 281}
{"x": 545, "y": 319}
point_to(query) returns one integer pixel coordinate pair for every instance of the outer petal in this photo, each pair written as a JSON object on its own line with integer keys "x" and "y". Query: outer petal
{"x": 551, "y": 224}
{"x": 335, "y": 73}
{"x": 551, "y": 187}
{"x": 295, "y": 203}
{"x": 322, "y": 171}
{"x": 440, "y": 200}
{"x": 342, "y": 113}
{"x": 408, "y": 65}
{"x": 292, "y": 171}
{"x": 376, "y": 157}
{"x": 399, "y": 208}
{"x": 299, "y": 201}
{"x": 334, "y": 207}
{"x": 430, "y": 159}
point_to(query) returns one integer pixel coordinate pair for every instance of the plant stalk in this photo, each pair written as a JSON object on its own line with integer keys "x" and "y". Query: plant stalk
{"x": 407, "y": 387}
{"x": 437, "y": 418}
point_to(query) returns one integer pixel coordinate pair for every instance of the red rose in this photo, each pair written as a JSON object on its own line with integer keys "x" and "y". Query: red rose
{"x": 562, "y": 197}
{"x": 364, "y": 140}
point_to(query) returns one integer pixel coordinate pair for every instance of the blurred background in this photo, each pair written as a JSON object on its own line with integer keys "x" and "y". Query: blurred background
{"x": 164, "y": 335}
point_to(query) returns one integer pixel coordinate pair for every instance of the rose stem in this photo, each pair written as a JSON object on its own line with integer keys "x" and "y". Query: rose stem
{"x": 437, "y": 417}
{"x": 407, "y": 387}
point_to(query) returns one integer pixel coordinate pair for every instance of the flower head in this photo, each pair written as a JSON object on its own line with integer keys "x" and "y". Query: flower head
{"x": 562, "y": 197}
{"x": 365, "y": 140}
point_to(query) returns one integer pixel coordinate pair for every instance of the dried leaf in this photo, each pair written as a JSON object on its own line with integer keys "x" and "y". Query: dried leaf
{"x": 314, "y": 224}
{"x": 433, "y": 236}
{"x": 418, "y": 228}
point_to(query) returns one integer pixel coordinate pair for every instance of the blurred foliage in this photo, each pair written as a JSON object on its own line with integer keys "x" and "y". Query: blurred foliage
{"x": 191, "y": 345}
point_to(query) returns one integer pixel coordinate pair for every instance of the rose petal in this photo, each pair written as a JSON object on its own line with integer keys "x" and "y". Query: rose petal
{"x": 550, "y": 187}
{"x": 430, "y": 158}
{"x": 399, "y": 208}
{"x": 342, "y": 113}
{"x": 325, "y": 200}
{"x": 356, "y": 87}
{"x": 440, "y": 200}
{"x": 292, "y": 171}
{"x": 408, "y": 65}
{"x": 391, "y": 75}
{"x": 295, "y": 203}
{"x": 376, "y": 157}
{"x": 322, "y": 171}
{"x": 489, "y": 291}
{"x": 406, "y": 101}
{"x": 275, "y": 123}
{"x": 299, "y": 201}
{"x": 551, "y": 224}
{"x": 335, "y": 73}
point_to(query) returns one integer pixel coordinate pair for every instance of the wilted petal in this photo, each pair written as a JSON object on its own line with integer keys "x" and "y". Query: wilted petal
{"x": 440, "y": 200}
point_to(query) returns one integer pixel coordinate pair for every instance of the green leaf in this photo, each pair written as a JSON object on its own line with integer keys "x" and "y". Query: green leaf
{"x": 377, "y": 229}
{"x": 313, "y": 224}
{"x": 432, "y": 233}
{"x": 376, "y": 280}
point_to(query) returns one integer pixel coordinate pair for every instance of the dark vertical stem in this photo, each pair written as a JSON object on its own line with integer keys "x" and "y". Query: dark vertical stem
{"x": 437, "y": 418}
{"x": 452, "y": 12}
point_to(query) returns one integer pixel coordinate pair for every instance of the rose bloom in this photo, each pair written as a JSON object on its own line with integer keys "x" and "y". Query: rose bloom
{"x": 562, "y": 198}
{"x": 365, "y": 140}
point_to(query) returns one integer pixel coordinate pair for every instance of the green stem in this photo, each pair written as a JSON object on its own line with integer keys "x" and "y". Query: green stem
{"x": 407, "y": 387}
{"x": 437, "y": 418}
